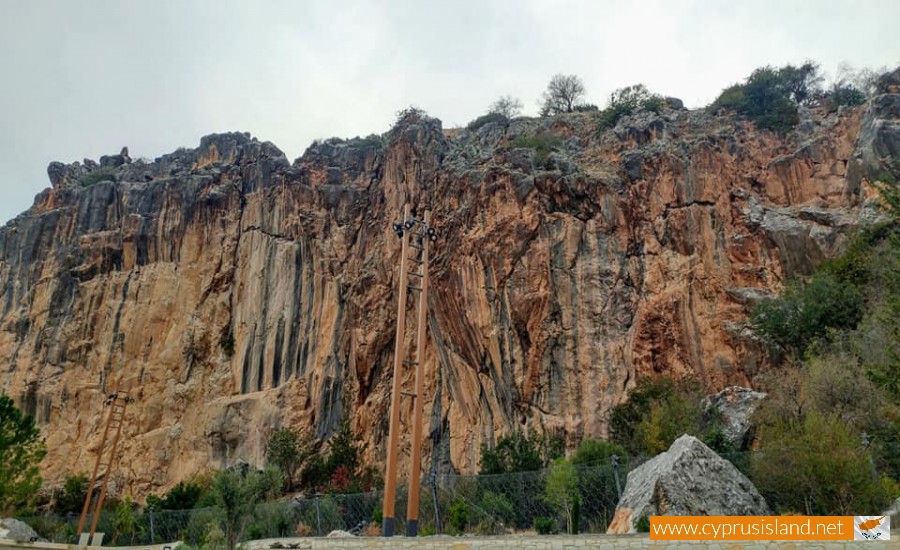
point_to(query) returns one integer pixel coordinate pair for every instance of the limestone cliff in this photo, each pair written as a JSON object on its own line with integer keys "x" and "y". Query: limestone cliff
{"x": 235, "y": 291}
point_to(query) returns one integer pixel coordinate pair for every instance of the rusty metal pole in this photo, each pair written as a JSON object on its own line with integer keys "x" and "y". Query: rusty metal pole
{"x": 412, "y": 510}
{"x": 390, "y": 477}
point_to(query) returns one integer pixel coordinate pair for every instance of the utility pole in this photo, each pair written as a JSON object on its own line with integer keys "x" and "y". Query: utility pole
{"x": 105, "y": 463}
{"x": 422, "y": 235}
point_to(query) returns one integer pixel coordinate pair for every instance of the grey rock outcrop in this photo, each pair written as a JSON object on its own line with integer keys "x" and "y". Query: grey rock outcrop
{"x": 736, "y": 405}
{"x": 13, "y": 529}
{"x": 674, "y": 103}
{"x": 689, "y": 479}
{"x": 878, "y": 143}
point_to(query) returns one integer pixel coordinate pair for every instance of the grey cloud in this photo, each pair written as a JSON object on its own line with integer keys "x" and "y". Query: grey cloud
{"x": 82, "y": 79}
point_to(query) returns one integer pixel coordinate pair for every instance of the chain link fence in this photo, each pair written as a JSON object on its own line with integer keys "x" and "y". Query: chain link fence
{"x": 452, "y": 504}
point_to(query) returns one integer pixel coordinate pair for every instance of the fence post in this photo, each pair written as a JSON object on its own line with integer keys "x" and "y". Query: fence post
{"x": 437, "y": 510}
{"x": 615, "y": 465}
{"x": 318, "y": 518}
{"x": 152, "y": 531}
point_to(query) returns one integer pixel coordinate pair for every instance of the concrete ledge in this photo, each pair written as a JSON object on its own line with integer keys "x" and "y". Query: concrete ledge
{"x": 518, "y": 542}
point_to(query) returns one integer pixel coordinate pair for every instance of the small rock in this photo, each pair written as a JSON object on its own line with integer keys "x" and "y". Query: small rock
{"x": 674, "y": 103}
{"x": 889, "y": 83}
{"x": 749, "y": 296}
{"x": 56, "y": 171}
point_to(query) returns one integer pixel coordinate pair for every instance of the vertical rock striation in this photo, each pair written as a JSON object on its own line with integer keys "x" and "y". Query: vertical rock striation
{"x": 235, "y": 292}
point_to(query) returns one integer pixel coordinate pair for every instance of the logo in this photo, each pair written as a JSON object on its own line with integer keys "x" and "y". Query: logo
{"x": 871, "y": 528}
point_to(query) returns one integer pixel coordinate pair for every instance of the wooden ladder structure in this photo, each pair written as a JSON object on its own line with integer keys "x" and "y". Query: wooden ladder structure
{"x": 103, "y": 467}
{"x": 414, "y": 258}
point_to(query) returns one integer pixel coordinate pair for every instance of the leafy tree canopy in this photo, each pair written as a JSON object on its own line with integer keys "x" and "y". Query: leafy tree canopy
{"x": 21, "y": 451}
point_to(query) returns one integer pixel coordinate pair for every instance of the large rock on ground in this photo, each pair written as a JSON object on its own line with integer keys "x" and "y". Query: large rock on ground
{"x": 13, "y": 529}
{"x": 736, "y": 405}
{"x": 689, "y": 479}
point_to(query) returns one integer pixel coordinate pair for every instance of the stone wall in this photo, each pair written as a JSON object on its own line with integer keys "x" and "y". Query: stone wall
{"x": 517, "y": 542}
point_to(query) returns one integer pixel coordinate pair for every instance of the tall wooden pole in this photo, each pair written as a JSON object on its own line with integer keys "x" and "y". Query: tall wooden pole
{"x": 390, "y": 479}
{"x": 106, "y": 458}
{"x": 112, "y": 457}
{"x": 412, "y": 510}
{"x": 90, "y": 491}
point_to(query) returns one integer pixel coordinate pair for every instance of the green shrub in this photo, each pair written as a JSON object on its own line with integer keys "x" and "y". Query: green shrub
{"x": 52, "y": 527}
{"x": 889, "y": 190}
{"x": 287, "y": 449}
{"x": 487, "y": 119}
{"x": 520, "y": 452}
{"x": 97, "y": 175}
{"x": 459, "y": 516}
{"x": 769, "y": 97}
{"x": 126, "y": 527}
{"x": 845, "y": 95}
{"x": 596, "y": 451}
{"x": 409, "y": 115}
{"x": 71, "y": 499}
{"x": 805, "y": 313}
{"x": 377, "y": 514}
{"x": 182, "y": 496}
{"x": 818, "y": 467}
{"x": 545, "y": 526}
{"x": 627, "y": 101}
{"x": 562, "y": 492}
{"x": 371, "y": 140}
{"x": 643, "y": 525}
{"x": 542, "y": 144}
{"x": 200, "y": 523}
{"x": 498, "y": 507}
{"x": 657, "y": 412}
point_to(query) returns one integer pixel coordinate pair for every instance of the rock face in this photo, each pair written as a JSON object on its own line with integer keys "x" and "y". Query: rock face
{"x": 233, "y": 291}
{"x": 689, "y": 479}
{"x": 736, "y": 405}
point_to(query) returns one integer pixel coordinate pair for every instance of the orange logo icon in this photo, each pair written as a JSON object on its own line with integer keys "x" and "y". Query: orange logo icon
{"x": 870, "y": 524}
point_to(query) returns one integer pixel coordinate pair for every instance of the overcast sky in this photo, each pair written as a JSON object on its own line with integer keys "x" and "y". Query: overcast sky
{"x": 82, "y": 79}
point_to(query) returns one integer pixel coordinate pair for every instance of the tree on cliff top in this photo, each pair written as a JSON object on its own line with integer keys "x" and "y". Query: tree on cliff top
{"x": 769, "y": 97}
{"x": 562, "y": 95}
{"x": 627, "y": 101}
{"x": 506, "y": 106}
{"x": 21, "y": 451}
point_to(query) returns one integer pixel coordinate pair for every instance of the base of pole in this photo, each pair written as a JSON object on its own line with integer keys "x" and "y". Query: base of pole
{"x": 387, "y": 527}
{"x": 412, "y": 528}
